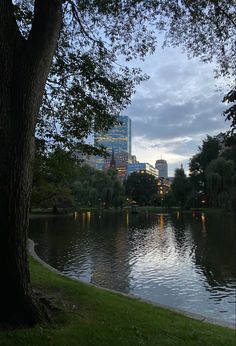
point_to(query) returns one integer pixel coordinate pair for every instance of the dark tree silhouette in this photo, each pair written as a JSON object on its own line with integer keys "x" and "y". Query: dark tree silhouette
{"x": 141, "y": 187}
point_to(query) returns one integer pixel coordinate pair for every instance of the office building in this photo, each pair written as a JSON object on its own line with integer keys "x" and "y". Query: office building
{"x": 117, "y": 139}
{"x": 162, "y": 167}
{"x": 142, "y": 167}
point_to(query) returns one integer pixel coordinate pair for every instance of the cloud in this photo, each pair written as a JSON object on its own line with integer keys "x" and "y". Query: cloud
{"x": 173, "y": 111}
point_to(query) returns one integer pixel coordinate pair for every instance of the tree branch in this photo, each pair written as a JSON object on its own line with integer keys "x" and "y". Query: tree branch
{"x": 75, "y": 12}
{"x": 220, "y": 9}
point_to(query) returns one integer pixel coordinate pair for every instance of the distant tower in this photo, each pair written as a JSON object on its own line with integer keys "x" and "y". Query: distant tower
{"x": 113, "y": 162}
{"x": 181, "y": 166}
{"x": 162, "y": 166}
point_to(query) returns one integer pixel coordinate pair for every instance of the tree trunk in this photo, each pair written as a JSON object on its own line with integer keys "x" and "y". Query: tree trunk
{"x": 24, "y": 67}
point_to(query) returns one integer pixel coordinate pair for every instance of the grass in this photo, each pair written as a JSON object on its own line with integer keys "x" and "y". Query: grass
{"x": 91, "y": 316}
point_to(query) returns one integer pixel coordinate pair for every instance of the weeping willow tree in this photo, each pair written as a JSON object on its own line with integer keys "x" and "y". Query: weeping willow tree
{"x": 60, "y": 78}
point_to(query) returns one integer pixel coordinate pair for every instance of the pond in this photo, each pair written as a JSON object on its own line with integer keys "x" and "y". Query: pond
{"x": 183, "y": 261}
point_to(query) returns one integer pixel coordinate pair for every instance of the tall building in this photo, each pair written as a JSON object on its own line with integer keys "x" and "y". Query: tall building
{"x": 162, "y": 167}
{"x": 117, "y": 139}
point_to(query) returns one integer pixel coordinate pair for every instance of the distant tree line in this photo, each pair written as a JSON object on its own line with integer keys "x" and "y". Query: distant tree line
{"x": 211, "y": 182}
{"x": 61, "y": 181}
{"x": 212, "y": 178}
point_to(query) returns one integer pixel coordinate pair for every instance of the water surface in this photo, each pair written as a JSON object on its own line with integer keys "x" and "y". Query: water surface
{"x": 187, "y": 262}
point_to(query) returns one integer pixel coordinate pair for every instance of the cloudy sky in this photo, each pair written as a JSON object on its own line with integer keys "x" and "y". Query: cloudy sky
{"x": 174, "y": 111}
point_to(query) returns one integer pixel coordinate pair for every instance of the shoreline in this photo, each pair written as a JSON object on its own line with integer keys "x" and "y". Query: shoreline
{"x": 194, "y": 316}
{"x": 151, "y": 209}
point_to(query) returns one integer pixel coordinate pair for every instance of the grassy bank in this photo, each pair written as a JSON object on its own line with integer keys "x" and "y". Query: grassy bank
{"x": 91, "y": 316}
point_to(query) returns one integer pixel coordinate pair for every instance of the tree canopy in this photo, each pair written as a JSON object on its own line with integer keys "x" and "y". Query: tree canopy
{"x": 199, "y": 162}
{"x": 221, "y": 183}
{"x": 62, "y": 181}
{"x": 87, "y": 86}
{"x": 212, "y": 173}
{"x": 141, "y": 187}
{"x": 180, "y": 187}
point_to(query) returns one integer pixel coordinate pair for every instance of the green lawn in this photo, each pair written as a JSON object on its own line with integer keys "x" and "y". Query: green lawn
{"x": 91, "y": 316}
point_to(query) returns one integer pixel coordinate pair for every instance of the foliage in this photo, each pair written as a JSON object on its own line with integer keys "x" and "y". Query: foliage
{"x": 87, "y": 86}
{"x": 97, "y": 188}
{"x": 198, "y": 164}
{"x": 220, "y": 177}
{"x": 59, "y": 181}
{"x": 180, "y": 187}
{"x": 229, "y": 152}
{"x": 54, "y": 175}
{"x": 230, "y": 113}
{"x": 212, "y": 174}
{"x": 169, "y": 199}
{"x": 141, "y": 187}
{"x": 205, "y": 29}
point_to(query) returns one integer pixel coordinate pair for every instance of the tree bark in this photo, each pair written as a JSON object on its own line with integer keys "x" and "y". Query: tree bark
{"x": 24, "y": 67}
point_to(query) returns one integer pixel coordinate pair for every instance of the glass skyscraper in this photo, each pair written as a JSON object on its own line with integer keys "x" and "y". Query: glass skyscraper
{"x": 117, "y": 138}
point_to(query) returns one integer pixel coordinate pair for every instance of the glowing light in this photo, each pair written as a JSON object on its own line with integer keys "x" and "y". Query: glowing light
{"x": 127, "y": 218}
{"x": 203, "y": 218}
{"x": 88, "y": 216}
{"x": 161, "y": 222}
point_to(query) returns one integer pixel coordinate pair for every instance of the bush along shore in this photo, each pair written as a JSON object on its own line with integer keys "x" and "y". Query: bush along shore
{"x": 87, "y": 315}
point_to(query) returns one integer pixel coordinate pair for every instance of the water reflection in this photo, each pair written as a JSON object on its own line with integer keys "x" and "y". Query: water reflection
{"x": 185, "y": 261}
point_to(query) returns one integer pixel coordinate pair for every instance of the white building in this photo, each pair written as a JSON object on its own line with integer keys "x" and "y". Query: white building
{"x": 142, "y": 167}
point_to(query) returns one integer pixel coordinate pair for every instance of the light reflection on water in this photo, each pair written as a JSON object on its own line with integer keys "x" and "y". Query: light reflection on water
{"x": 186, "y": 262}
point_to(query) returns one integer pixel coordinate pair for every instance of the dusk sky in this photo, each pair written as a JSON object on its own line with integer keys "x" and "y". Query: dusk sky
{"x": 175, "y": 109}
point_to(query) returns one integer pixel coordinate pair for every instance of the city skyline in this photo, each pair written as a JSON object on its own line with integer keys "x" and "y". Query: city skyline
{"x": 176, "y": 108}
{"x": 174, "y": 111}
{"x": 118, "y": 143}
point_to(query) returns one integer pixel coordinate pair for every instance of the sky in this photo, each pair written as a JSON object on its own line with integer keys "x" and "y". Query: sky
{"x": 175, "y": 109}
